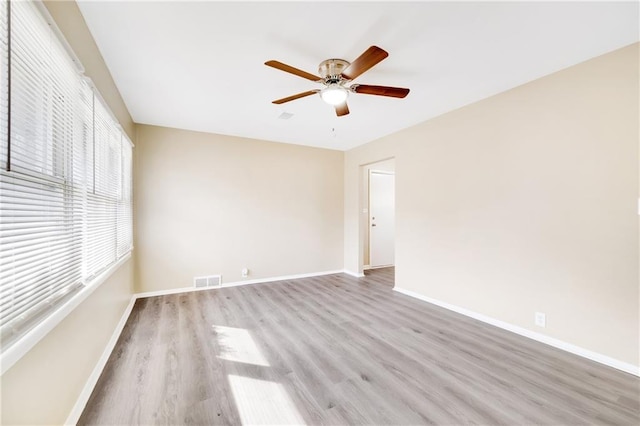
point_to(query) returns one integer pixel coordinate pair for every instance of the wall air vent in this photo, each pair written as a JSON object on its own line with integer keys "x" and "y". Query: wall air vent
{"x": 208, "y": 281}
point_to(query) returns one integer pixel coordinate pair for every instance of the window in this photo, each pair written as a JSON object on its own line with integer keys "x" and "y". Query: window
{"x": 65, "y": 175}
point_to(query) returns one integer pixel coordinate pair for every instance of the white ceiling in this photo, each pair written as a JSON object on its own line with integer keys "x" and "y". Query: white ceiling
{"x": 199, "y": 65}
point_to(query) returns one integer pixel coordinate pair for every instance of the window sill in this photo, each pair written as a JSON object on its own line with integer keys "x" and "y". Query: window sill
{"x": 37, "y": 333}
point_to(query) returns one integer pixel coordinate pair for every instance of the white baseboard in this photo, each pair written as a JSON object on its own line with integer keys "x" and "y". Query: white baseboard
{"x": 353, "y": 274}
{"x": 281, "y": 278}
{"x": 378, "y": 267}
{"x": 171, "y": 291}
{"x": 82, "y": 400}
{"x": 556, "y": 343}
{"x": 236, "y": 283}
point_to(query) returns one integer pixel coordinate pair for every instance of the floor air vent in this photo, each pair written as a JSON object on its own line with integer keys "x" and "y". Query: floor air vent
{"x": 209, "y": 281}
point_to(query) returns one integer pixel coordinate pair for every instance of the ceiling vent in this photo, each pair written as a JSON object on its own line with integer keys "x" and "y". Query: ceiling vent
{"x": 208, "y": 281}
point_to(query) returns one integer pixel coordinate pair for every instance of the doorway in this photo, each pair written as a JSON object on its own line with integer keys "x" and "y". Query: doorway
{"x": 378, "y": 219}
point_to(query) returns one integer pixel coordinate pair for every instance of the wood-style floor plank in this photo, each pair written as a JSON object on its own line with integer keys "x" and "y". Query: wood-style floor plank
{"x": 340, "y": 350}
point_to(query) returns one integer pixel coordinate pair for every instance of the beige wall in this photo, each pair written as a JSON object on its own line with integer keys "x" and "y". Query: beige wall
{"x": 43, "y": 386}
{"x": 210, "y": 204}
{"x": 524, "y": 202}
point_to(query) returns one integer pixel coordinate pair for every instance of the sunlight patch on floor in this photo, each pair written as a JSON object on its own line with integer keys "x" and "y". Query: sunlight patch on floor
{"x": 236, "y": 344}
{"x": 263, "y": 402}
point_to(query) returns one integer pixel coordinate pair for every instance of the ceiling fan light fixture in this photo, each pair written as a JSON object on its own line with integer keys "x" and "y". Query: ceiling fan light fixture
{"x": 334, "y": 94}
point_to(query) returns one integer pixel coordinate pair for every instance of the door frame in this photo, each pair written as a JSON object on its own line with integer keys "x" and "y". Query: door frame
{"x": 363, "y": 209}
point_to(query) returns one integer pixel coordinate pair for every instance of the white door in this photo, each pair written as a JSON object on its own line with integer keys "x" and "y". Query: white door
{"x": 382, "y": 218}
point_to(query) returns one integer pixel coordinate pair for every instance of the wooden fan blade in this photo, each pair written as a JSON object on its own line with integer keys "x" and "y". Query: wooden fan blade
{"x": 295, "y": 71}
{"x": 294, "y": 97}
{"x": 364, "y": 62}
{"x": 394, "y": 92}
{"x": 342, "y": 109}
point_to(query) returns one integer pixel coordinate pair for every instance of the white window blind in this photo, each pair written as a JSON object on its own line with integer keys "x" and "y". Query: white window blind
{"x": 4, "y": 84}
{"x": 62, "y": 180}
{"x": 125, "y": 201}
{"x": 102, "y": 199}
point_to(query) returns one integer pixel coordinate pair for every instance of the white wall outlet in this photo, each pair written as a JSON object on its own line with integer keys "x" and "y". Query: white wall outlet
{"x": 541, "y": 319}
{"x": 245, "y": 272}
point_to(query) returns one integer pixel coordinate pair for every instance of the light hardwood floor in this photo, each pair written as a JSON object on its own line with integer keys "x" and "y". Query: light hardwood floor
{"x": 341, "y": 350}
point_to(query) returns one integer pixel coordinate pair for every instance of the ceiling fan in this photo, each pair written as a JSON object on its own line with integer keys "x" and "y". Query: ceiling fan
{"x": 337, "y": 75}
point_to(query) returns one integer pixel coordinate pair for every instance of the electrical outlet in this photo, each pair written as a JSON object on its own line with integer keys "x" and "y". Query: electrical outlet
{"x": 245, "y": 272}
{"x": 541, "y": 319}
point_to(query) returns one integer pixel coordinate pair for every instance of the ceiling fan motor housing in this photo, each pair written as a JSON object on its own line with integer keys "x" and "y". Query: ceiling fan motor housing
{"x": 331, "y": 69}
